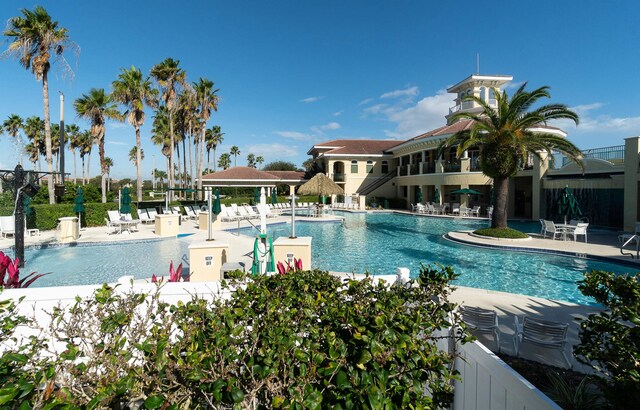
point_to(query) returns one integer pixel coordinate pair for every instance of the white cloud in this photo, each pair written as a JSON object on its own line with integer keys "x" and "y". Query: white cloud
{"x": 375, "y": 109}
{"x": 407, "y": 92}
{"x": 110, "y": 142}
{"x": 338, "y": 113}
{"x": 330, "y": 126}
{"x": 294, "y": 135}
{"x": 603, "y": 123}
{"x": 423, "y": 116}
{"x": 117, "y": 125}
{"x": 273, "y": 150}
{"x": 365, "y": 101}
{"x": 311, "y": 99}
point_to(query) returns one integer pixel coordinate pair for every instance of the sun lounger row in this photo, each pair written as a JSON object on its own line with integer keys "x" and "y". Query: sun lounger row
{"x": 342, "y": 205}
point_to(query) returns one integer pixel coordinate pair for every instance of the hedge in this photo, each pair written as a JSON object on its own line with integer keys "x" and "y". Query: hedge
{"x": 45, "y": 217}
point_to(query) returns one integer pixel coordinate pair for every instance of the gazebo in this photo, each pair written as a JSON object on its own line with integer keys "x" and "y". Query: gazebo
{"x": 252, "y": 177}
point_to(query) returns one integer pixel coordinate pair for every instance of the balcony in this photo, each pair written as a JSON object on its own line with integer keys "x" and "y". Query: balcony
{"x": 414, "y": 169}
{"x": 403, "y": 170}
{"x": 467, "y": 105}
{"x": 338, "y": 177}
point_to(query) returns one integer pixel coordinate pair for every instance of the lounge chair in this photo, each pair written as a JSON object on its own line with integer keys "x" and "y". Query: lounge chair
{"x": 249, "y": 210}
{"x": 543, "y": 333}
{"x": 111, "y": 228}
{"x": 626, "y": 236}
{"x": 152, "y": 214}
{"x": 191, "y": 214}
{"x": 8, "y": 226}
{"x": 176, "y": 210}
{"x": 480, "y": 320}
{"x": 144, "y": 216}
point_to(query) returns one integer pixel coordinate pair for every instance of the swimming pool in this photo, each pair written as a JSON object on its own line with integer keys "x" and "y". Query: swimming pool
{"x": 88, "y": 264}
{"x": 378, "y": 243}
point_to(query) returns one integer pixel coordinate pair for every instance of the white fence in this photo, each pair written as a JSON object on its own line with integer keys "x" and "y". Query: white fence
{"x": 489, "y": 383}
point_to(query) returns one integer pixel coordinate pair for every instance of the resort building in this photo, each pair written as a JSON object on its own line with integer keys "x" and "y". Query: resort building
{"x": 373, "y": 170}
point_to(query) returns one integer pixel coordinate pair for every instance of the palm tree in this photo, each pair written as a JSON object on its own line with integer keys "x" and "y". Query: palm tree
{"x": 213, "y": 139}
{"x": 96, "y": 107}
{"x": 34, "y": 129}
{"x": 108, "y": 163}
{"x": 85, "y": 145}
{"x": 187, "y": 122}
{"x": 161, "y": 175}
{"x": 133, "y": 155}
{"x": 34, "y": 38}
{"x": 207, "y": 101}
{"x": 73, "y": 133}
{"x": 133, "y": 91}
{"x": 259, "y": 160}
{"x": 506, "y": 138}
{"x": 160, "y": 132}
{"x": 251, "y": 161}
{"x": 235, "y": 151}
{"x": 224, "y": 161}
{"x": 169, "y": 76}
{"x": 12, "y": 126}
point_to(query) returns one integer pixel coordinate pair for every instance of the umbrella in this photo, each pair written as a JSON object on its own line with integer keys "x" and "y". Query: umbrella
{"x": 320, "y": 184}
{"x": 256, "y": 195}
{"x": 436, "y": 196}
{"x": 567, "y": 205}
{"x": 466, "y": 191}
{"x": 79, "y": 202}
{"x": 125, "y": 206}
{"x": 216, "y": 208}
{"x": 274, "y": 195}
{"x": 419, "y": 198}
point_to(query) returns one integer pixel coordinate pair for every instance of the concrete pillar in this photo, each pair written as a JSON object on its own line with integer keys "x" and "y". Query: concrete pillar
{"x": 203, "y": 220}
{"x": 540, "y": 168}
{"x": 465, "y": 164}
{"x": 167, "y": 225}
{"x": 285, "y": 249}
{"x": 362, "y": 202}
{"x": 292, "y": 190}
{"x": 439, "y": 166}
{"x": 631, "y": 150}
{"x": 439, "y": 188}
{"x": 69, "y": 229}
{"x": 206, "y": 260}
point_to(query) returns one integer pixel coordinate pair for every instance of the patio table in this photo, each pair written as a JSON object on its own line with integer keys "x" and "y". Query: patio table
{"x": 126, "y": 225}
{"x": 566, "y": 228}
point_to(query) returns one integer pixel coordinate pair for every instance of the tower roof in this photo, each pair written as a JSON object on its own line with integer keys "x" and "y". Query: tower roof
{"x": 478, "y": 80}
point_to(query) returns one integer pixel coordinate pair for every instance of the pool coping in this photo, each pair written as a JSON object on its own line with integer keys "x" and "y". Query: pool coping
{"x": 88, "y": 243}
{"x": 506, "y": 247}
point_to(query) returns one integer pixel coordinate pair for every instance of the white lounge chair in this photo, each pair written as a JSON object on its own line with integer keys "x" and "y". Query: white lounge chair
{"x": 144, "y": 216}
{"x": 475, "y": 211}
{"x": 626, "y": 236}
{"x": 580, "y": 229}
{"x": 543, "y": 333}
{"x": 8, "y": 225}
{"x": 480, "y": 320}
{"x": 191, "y": 214}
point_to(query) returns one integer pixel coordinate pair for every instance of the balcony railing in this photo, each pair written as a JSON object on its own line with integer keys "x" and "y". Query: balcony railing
{"x": 467, "y": 105}
{"x": 402, "y": 170}
{"x": 338, "y": 177}
{"x": 428, "y": 168}
{"x": 452, "y": 166}
{"x": 414, "y": 169}
{"x": 606, "y": 153}
{"x": 475, "y": 165}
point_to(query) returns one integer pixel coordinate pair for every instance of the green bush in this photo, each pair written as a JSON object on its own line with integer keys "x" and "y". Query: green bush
{"x": 299, "y": 340}
{"x": 610, "y": 340}
{"x": 507, "y": 233}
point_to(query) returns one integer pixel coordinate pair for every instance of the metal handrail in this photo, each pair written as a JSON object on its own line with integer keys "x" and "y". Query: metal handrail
{"x": 633, "y": 238}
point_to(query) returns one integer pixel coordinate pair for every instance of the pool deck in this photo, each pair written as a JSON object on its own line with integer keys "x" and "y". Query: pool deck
{"x": 601, "y": 244}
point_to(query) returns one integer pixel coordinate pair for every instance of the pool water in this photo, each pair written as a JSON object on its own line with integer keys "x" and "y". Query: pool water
{"x": 378, "y": 243}
{"x": 104, "y": 263}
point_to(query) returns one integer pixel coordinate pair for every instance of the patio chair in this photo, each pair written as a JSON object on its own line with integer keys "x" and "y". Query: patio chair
{"x": 114, "y": 216}
{"x": 475, "y": 211}
{"x": 455, "y": 209}
{"x": 543, "y": 333}
{"x": 7, "y": 226}
{"x": 626, "y": 236}
{"x": 580, "y": 229}
{"x": 111, "y": 228}
{"x": 482, "y": 321}
{"x": 551, "y": 229}
{"x": 464, "y": 211}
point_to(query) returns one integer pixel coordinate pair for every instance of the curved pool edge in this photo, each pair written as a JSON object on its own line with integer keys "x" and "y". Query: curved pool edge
{"x": 462, "y": 237}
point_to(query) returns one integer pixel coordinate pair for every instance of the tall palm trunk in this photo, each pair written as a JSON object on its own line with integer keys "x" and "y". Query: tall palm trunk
{"x": 103, "y": 169}
{"x": 83, "y": 174}
{"x": 184, "y": 160}
{"x": 138, "y": 164}
{"x": 75, "y": 169}
{"x": 209, "y": 160}
{"x": 88, "y": 167}
{"x": 170, "y": 174}
{"x": 201, "y": 162}
{"x": 500, "y": 198}
{"x": 47, "y": 136}
{"x": 214, "y": 159}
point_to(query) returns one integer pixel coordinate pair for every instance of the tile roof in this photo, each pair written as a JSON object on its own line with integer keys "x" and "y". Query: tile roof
{"x": 287, "y": 175}
{"x": 241, "y": 173}
{"x": 356, "y": 147}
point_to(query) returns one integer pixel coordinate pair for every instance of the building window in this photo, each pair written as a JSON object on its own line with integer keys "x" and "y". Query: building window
{"x": 385, "y": 167}
{"x": 354, "y": 167}
{"x": 369, "y": 167}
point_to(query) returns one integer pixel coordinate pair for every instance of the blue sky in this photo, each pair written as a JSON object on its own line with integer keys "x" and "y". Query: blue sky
{"x": 294, "y": 73}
